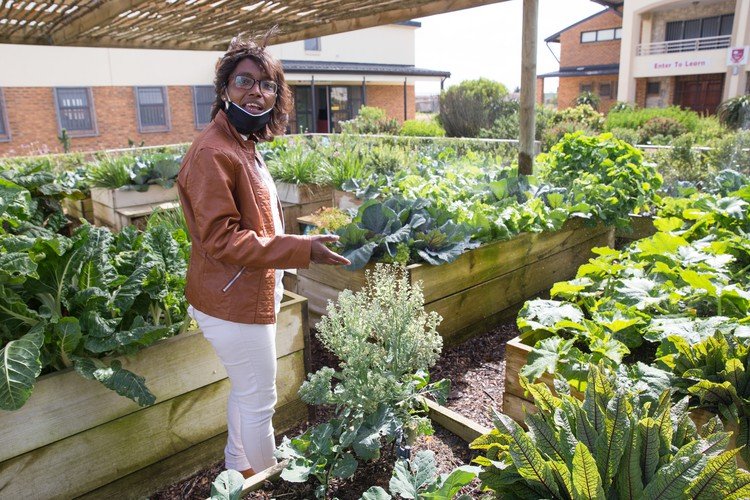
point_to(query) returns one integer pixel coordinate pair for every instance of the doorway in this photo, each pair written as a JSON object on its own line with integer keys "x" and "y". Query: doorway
{"x": 701, "y": 93}
{"x": 333, "y": 104}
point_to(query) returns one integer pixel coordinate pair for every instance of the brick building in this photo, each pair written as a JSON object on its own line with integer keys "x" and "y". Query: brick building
{"x": 589, "y": 58}
{"x": 691, "y": 53}
{"x": 106, "y": 97}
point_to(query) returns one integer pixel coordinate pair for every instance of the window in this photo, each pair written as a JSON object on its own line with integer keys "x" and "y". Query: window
{"x": 152, "y": 109}
{"x": 601, "y": 35}
{"x": 75, "y": 111}
{"x": 587, "y": 87}
{"x": 203, "y": 99}
{"x": 700, "y": 28}
{"x": 312, "y": 44}
{"x": 653, "y": 88}
{"x": 605, "y": 90}
{"x": 588, "y": 36}
{"x": 4, "y": 131}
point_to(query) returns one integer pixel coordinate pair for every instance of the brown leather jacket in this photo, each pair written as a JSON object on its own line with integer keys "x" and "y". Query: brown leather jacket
{"x": 228, "y": 212}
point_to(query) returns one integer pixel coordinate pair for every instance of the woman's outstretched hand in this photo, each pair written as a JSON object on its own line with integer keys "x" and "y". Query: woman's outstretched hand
{"x": 321, "y": 254}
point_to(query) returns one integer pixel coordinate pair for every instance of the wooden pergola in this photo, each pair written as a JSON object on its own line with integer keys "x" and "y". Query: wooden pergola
{"x": 210, "y": 25}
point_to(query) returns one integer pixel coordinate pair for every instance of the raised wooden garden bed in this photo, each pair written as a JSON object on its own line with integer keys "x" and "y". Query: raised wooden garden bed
{"x": 345, "y": 200}
{"x": 514, "y": 399}
{"x": 299, "y": 200}
{"x": 642, "y": 227}
{"x": 117, "y": 208}
{"x": 482, "y": 287}
{"x": 79, "y": 209}
{"x": 75, "y": 437}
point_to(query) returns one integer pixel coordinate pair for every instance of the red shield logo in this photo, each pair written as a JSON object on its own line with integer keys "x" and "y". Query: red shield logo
{"x": 737, "y": 55}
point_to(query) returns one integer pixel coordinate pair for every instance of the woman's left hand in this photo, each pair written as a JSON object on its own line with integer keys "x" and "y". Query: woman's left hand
{"x": 321, "y": 254}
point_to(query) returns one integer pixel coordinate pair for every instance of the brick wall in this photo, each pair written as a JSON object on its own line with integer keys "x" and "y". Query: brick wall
{"x": 539, "y": 99}
{"x": 570, "y": 88}
{"x": 575, "y": 53}
{"x": 391, "y": 99}
{"x": 640, "y": 92}
{"x": 32, "y": 118}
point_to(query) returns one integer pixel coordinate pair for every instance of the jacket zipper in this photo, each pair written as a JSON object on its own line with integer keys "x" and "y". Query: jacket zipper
{"x": 231, "y": 282}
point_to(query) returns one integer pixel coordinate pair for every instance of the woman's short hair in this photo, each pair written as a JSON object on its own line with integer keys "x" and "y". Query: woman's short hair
{"x": 244, "y": 46}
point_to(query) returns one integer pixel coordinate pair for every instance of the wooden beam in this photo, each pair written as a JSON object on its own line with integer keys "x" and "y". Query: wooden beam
{"x": 108, "y": 10}
{"x": 528, "y": 87}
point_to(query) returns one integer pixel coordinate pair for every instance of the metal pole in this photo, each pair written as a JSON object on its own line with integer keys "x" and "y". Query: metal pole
{"x": 404, "y": 98}
{"x": 364, "y": 92}
{"x": 528, "y": 87}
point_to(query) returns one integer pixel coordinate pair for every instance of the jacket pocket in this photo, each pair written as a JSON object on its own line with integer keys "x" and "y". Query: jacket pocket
{"x": 233, "y": 280}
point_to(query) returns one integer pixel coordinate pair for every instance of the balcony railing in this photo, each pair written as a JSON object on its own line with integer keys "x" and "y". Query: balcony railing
{"x": 688, "y": 45}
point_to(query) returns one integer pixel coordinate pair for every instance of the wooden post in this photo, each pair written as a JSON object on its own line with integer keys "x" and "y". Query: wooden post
{"x": 528, "y": 87}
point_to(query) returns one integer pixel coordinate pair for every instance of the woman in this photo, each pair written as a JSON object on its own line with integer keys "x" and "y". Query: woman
{"x": 238, "y": 242}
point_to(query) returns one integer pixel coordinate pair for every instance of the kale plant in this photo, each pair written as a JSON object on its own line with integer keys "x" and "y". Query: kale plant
{"x": 385, "y": 342}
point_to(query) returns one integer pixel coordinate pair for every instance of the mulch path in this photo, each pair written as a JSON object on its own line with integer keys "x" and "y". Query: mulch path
{"x": 476, "y": 370}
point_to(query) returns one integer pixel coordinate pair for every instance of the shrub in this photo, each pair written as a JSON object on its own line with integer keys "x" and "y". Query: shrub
{"x": 621, "y": 106}
{"x": 635, "y": 118}
{"x": 681, "y": 162}
{"x": 735, "y": 112}
{"x": 386, "y": 159}
{"x": 422, "y": 128}
{"x": 660, "y": 126}
{"x": 709, "y": 129}
{"x": 296, "y": 164}
{"x": 589, "y": 98}
{"x": 472, "y": 105}
{"x": 558, "y": 131}
{"x": 731, "y": 151}
{"x": 627, "y": 134}
{"x": 370, "y": 120}
{"x": 507, "y": 126}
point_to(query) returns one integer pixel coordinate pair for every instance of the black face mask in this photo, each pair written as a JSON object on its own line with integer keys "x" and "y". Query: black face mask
{"x": 246, "y": 123}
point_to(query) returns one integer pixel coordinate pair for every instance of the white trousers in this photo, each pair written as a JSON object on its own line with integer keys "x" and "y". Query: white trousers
{"x": 248, "y": 353}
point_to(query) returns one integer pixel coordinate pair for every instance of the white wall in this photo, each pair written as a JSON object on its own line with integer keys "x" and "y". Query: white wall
{"x": 46, "y": 66}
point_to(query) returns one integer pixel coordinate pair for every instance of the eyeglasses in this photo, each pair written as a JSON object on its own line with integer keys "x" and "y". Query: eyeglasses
{"x": 267, "y": 87}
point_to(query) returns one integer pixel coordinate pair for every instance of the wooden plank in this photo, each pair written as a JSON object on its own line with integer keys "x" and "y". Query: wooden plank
{"x": 290, "y": 280}
{"x": 304, "y": 193}
{"x": 463, "y": 427}
{"x": 465, "y": 308}
{"x": 121, "y": 198}
{"x": 317, "y": 294}
{"x": 271, "y": 474}
{"x": 513, "y": 406}
{"x": 146, "y": 209}
{"x": 642, "y": 226}
{"x": 345, "y": 200}
{"x": 290, "y": 212}
{"x": 64, "y": 403}
{"x": 88, "y": 460}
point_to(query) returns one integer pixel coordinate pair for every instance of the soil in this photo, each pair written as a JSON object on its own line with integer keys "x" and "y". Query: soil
{"x": 476, "y": 370}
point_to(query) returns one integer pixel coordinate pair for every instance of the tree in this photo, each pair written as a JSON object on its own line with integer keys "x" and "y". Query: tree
{"x": 472, "y": 105}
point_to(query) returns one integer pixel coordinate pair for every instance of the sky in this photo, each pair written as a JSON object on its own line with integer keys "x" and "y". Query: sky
{"x": 486, "y": 41}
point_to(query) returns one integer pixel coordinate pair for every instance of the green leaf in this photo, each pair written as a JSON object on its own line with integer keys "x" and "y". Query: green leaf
{"x": 715, "y": 479}
{"x": 587, "y": 483}
{"x": 19, "y": 368}
{"x": 409, "y": 477}
{"x": 227, "y": 486}
{"x": 610, "y": 446}
{"x": 648, "y": 431}
{"x": 545, "y": 438}
{"x": 345, "y": 466}
{"x": 376, "y": 493}
{"x": 630, "y": 478}
{"x": 544, "y": 357}
{"x": 451, "y": 483}
{"x": 671, "y": 480}
{"x": 68, "y": 332}
{"x": 529, "y": 463}
{"x": 115, "y": 377}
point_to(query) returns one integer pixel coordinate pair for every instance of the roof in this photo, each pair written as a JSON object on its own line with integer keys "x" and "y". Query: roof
{"x": 291, "y": 67}
{"x": 200, "y": 24}
{"x": 610, "y": 3}
{"x": 556, "y": 37}
{"x": 593, "y": 70}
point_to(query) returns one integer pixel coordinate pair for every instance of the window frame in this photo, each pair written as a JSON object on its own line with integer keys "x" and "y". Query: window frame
{"x": 651, "y": 84}
{"x": 317, "y": 43}
{"x": 616, "y": 35}
{"x": 4, "y": 136}
{"x": 198, "y": 124}
{"x": 585, "y": 87}
{"x": 586, "y": 33}
{"x": 608, "y": 95}
{"x": 92, "y": 132}
{"x": 147, "y": 129}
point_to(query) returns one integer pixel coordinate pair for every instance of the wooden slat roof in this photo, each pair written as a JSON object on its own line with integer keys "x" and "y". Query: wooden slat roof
{"x": 199, "y": 24}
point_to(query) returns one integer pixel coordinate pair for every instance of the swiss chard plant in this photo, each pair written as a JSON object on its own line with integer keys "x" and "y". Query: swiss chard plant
{"x": 72, "y": 301}
{"x": 615, "y": 443}
{"x": 385, "y": 342}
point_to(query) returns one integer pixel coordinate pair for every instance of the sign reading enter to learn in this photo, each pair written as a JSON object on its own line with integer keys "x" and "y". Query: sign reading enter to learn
{"x": 679, "y": 64}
